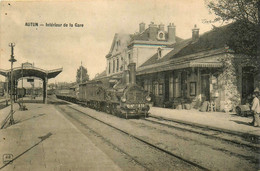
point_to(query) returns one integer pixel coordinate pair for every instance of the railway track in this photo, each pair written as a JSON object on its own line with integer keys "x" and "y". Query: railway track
{"x": 241, "y": 140}
{"x": 150, "y": 146}
{"x": 3, "y": 103}
{"x": 228, "y": 145}
{"x": 246, "y": 140}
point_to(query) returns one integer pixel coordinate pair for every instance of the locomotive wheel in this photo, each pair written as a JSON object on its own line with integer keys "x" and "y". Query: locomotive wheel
{"x": 112, "y": 109}
{"x": 146, "y": 114}
{"x": 238, "y": 111}
{"x": 99, "y": 106}
{"x": 103, "y": 107}
{"x": 108, "y": 108}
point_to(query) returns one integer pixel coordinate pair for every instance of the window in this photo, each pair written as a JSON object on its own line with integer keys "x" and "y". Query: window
{"x": 160, "y": 89}
{"x": 109, "y": 67}
{"x": 156, "y": 88}
{"x": 171, "y": 86}
{"x": 113, "y": 66}
{"x": 122, "y": 63}
{"x": 192, "y": 88}
{"x": 129, "y": 57}
{"x": 117, "y": 64}
{"x": 117, "y": 45}
{"x": 145, "y": 86}
{"x": 149, "y": 86}
{"x": 159, "y": 53}
{"x": 184, "y": 90}
{"x": 177, "y": 85}
{"x": 161, "y": 35}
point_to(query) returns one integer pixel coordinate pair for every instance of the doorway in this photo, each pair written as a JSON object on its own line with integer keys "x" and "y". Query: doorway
{"x": 247, "y": 81}
{"x": 205, "y": 92}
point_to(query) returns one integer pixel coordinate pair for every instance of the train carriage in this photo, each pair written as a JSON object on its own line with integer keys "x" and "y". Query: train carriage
{"x": 125, "y": 98}
{"x": 92, "y": 94}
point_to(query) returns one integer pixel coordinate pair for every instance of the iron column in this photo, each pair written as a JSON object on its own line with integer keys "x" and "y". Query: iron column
{"x": 12, "y": 60}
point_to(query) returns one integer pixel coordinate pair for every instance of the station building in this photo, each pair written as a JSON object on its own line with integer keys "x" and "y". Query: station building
{"x": 185, "y": 72}
{"x": 139, "y": 47}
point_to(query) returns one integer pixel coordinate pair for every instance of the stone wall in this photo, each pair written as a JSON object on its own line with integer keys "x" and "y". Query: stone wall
{"x": 228, "y": 83}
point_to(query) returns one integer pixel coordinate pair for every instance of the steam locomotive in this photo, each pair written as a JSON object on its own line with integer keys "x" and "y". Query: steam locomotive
{"x": 125, "y": 98}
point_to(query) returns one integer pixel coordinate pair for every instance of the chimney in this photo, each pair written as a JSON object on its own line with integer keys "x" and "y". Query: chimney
{"x": 195, "y": 33}
{"x": 141, "y": 27}
{"x": 126, "y": 77}
{"x": 161, "y": 27}
{"x": 132, "y": 70}
{"x": 171, "y": 33}
{"x": 152, "y": 31}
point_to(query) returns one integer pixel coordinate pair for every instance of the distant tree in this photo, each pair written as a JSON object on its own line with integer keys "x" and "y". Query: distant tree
{"x": 245, "y": 14}
{"x": 82, "y": 72}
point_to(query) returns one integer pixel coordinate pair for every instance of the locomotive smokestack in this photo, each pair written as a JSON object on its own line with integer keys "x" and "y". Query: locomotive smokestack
{"x": 126, "y": 77}
{"x": 132, "y": 70}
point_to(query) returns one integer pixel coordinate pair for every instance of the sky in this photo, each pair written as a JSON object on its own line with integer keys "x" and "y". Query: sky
{"x": 65, "y": 47}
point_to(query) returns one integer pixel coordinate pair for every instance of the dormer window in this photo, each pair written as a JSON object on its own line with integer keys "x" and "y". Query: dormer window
{"x": 159, "y": 52}
{"x": 161, "y": 35}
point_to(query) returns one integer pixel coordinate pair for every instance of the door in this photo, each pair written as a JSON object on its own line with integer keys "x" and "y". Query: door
{"x": 205, "y": 92}
{"x": 166, "y": 84}
{"x": 247, "y": 81}
{"x": 184, "y": 84}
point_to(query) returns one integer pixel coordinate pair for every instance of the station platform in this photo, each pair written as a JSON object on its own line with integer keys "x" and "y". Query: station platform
{"x": 43, "y": 135}
{"x": 43, "y": 139}
{"x": 226, "y": 122}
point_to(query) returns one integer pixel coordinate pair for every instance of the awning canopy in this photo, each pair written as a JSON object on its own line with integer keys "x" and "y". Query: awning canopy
{"x": 201, "y": 63}
{"x": 31, "y": 71}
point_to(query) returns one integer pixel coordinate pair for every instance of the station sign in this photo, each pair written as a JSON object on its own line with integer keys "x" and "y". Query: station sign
{"x": 27, "y": 65}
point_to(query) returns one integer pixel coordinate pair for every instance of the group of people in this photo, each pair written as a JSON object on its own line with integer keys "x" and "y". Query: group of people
{"x": 256, "y": 109}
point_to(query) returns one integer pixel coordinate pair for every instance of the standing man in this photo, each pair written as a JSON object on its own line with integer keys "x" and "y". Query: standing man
{"x": 256, "y": 109}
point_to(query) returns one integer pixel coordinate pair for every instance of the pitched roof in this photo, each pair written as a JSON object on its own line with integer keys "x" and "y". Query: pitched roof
{"x": 124, "y": 40}
{"x": 216, "y": 38}
{"x": 144, "y": 36}
{"x": 102, "y": 74}
{"x": 234, "y": 35}
{"x": 177, "y": 47}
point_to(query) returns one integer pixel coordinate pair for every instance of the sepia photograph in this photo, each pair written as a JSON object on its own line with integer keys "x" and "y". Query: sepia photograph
{"x": 129, "y": 85}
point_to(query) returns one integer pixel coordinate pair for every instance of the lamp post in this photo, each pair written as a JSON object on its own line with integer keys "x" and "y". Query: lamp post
{"x": 12, "y": 60}
{"x": 22, "y": 85}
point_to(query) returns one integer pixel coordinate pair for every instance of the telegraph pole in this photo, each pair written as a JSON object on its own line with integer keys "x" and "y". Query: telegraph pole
{"x": 12, "y": 60}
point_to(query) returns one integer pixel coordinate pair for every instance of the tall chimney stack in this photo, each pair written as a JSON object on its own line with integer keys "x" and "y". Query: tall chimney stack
{"x": 152, "y": 31}
{"x": 195, "y": 33}
{"x": 132, "y": 69}
{"x": 171, "y": 33}
{"x": 141, "y": 27}
{"x": 161, "y": 27}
